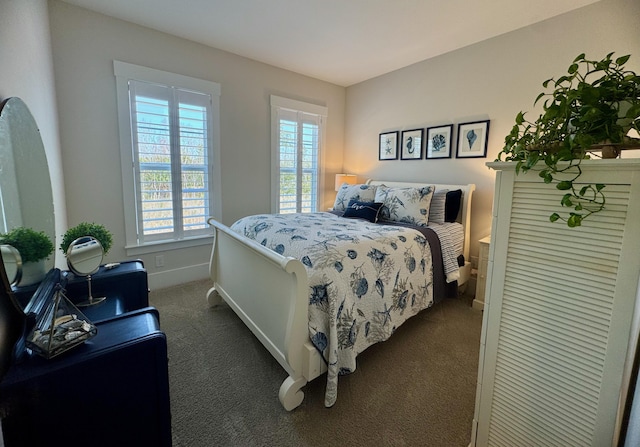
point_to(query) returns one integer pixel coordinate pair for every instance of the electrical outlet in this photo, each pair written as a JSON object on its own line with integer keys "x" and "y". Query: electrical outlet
{"x": 160, "y": 261}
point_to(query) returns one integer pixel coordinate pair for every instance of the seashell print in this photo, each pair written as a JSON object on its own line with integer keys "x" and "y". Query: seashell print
{"x": 402, "y": 238}
{"x": 306, "y": 261}
{"x": 339, "y": 267}
{"x": 377, "y": 257}
{"x": 319, "y": 294}
{"x": 352, "y": 254}
{"x": 380, "y": 287}
{"x": 367, "y": 326}
{"x": 471, "y": 137}
{"x": 260, "y": 227}
{"x": 353, "y": 333}
{"x": 402, "y": 299}
{"x": 279, "y": 249}
{"x": 411, "y": 264}
{"x": 421, "y": 240}
{"x": 319, "y": 340}
{"x": 424, "y": 192}
{"x": 344, "y": 237}
{"x": 361, "y": 287}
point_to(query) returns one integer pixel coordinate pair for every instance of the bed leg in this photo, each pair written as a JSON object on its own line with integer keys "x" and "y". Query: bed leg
{"x": 213, "y": 297}
{"x": 291, "y": 394}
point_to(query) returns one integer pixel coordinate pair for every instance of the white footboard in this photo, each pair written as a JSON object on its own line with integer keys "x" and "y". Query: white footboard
{"x": 270, "y": 293}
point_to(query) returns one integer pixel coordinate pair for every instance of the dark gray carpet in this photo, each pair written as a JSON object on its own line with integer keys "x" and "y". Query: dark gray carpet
{"x": 416, "y": 389}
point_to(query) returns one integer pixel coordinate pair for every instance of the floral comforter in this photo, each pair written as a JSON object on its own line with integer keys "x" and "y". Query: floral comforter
{"x": 365, "y": 279}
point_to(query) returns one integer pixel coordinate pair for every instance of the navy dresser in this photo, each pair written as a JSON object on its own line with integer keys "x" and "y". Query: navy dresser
{"x": 112, "y": 390}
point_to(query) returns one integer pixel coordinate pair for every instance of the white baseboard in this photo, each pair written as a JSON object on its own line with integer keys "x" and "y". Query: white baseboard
{"x": 169, "y": 278}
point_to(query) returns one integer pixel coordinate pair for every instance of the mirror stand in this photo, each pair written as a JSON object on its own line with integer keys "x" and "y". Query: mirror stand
{"x": 91, "y": 300}
{"x": 84, "y": 256}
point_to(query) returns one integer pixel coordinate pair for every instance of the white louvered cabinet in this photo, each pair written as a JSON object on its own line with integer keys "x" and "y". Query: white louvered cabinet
{"x": 559, "y": 328}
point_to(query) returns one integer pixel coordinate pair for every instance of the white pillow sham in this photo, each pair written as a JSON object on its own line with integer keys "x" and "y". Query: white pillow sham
{"x": 407, "y": 205}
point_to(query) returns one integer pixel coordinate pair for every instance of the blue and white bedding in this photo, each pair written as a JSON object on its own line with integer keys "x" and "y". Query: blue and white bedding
{"x": 365, "y": 279}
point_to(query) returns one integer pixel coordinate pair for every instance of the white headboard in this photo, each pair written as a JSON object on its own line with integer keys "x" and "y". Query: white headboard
{"x": 464, "y": 216}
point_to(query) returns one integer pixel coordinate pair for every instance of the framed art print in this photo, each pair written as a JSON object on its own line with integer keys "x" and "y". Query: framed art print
{"x": 472, "y": 139}
{"x": 412, "y": 144}
{"x": 438, "y": 144}
{"x": 388, "y": 146}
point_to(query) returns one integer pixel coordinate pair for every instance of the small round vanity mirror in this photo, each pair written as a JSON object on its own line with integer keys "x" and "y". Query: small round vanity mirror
{"x": 12, "y": 262}
{"x": 84, "y": 257}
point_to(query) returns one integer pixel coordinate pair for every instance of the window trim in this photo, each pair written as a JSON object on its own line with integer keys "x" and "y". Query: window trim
{"x": 278, "y": 102}
{"x": 123, "y": 73}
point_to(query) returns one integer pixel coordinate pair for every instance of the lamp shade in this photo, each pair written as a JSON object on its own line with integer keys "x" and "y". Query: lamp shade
{"x": 351, "y": 179}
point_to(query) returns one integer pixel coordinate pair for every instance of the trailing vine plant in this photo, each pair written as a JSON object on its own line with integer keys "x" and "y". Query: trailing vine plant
{"x": 592, "y": 107}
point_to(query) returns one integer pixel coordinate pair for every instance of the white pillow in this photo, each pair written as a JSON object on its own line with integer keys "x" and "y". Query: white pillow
{"x": 407, "y": 205}
{"x": 359, "y": 193}
{"x": 437, "y": 206}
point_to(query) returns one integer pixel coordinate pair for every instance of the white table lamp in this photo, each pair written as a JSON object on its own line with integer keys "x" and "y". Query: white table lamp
{"x": 351, "y": 179}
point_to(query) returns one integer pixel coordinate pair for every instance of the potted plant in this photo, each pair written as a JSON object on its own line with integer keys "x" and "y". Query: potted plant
{"x": 34, "y": 247}
{"x": 593, "y": 108}
{"x": 97, "y": 231}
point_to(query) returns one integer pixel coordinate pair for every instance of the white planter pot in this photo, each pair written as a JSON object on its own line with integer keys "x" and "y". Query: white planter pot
{"x": 32, "y": 273}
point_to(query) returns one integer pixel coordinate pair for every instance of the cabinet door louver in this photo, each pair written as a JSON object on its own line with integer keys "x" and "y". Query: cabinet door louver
{"x": 554, "y": 329}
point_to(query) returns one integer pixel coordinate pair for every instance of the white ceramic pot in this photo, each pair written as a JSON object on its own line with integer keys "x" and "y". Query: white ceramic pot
{"x": 32, "y": 272}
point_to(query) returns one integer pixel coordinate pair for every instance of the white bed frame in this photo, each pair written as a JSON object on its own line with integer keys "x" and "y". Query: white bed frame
{"x": 270, "y": 293}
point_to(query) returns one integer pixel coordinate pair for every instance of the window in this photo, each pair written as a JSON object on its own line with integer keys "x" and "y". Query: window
{"x": 297, "y": 136}
{"x": 169, "y": 148}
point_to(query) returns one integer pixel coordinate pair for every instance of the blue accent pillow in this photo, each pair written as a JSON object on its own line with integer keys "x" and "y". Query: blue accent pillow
{"x": 363, "y": 210}
{"x": 452, "y": 205}
{"x": 347, "y": 193}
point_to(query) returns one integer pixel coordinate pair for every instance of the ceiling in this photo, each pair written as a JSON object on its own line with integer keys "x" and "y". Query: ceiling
{"x": 340, "y": 41}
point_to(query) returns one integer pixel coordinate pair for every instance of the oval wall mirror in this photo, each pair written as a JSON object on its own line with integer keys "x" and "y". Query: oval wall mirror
{"x": 26, "y": 197}
{"x": 84, "y": 257}
{"x": 12, "y": 262}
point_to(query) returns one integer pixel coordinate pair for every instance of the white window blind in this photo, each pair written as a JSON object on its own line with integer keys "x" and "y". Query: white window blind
{"x": 173, "y": 137}
{"x": 170, "y": 140}
{"x": 298, "y": 130}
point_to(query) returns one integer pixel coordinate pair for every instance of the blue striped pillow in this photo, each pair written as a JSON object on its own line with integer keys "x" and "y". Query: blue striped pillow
{"x": 437, "y": 207}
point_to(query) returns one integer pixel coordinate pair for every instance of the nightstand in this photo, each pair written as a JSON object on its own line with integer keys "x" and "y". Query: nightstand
{"x": 481, "y": 283}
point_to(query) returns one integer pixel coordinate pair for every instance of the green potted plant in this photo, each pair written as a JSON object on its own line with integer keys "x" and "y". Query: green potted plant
{"x": 97, "y": 231}
{"x": 34, "y": 247}
{"x": 592, "y": 109}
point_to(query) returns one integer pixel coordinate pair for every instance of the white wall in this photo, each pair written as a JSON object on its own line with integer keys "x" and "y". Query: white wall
{"x": 490, "y": 80}
{"x": 84, "y": 47}
{"x": 26, "y": 71}
{"x": 494, "y": 79}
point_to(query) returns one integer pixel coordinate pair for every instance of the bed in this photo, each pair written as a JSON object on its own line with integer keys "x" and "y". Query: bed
{"x": 318, "y": 297}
